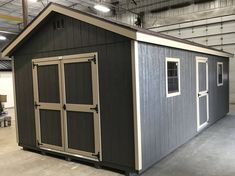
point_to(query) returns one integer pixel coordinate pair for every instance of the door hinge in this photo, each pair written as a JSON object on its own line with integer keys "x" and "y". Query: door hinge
{"x": 93, "y": 59}
{"x": 64, "y": 107}
{"x": 34, "y": 65}
{"x": 36, "y": 105}
{"x": 38, "y": 143}
{"x": 96, "y": 109}
{"x": 97, "y": 155}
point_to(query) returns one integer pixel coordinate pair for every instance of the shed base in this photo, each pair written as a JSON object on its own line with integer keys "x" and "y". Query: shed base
{"x": 98, "y": 165}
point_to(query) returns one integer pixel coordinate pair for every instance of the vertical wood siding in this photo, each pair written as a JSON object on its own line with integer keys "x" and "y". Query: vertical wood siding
{"x": 168, "y": 123}
{"x": 115, "y": 81}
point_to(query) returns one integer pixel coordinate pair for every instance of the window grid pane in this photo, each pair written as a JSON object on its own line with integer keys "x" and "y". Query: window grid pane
{"x": 220, "y": 73}
{"x": 173, "y": 78}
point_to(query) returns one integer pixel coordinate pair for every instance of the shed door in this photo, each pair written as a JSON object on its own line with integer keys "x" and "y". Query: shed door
{"x": 82, "y": 124}
{"x": 48, "y": 104}
{"x": 202, "y": 93}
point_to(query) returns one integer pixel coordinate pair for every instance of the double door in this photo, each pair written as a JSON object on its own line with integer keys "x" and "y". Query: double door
{"x": 67, "y": 104}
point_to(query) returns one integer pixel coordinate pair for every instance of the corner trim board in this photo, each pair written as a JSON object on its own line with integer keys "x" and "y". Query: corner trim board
{"x": 15, "y": 104}
{"x": 136, "y": 105}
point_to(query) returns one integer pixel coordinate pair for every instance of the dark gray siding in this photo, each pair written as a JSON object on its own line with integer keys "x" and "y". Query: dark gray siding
{"x": 25, "y": 102}
{"x": 115, "y": 80}
{"x": 169, "y": 122}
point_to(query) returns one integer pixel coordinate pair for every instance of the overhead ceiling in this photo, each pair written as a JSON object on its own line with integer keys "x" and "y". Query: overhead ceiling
{"x": 11, "y": 22}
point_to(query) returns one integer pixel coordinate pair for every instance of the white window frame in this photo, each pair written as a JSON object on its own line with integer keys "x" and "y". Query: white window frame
{"x": 177, "y": 60}
{"x": 220, "y": 63}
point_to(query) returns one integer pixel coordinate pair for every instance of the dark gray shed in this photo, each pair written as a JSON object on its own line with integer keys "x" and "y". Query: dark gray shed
{"x": 115, "y": 95}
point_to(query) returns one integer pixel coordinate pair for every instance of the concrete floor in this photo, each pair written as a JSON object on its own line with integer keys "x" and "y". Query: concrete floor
{"x": 212, "y": 153}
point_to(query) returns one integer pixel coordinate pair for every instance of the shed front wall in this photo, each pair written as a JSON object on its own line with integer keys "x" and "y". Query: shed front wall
{"x": 167, "y": 123}
{"x": 115, "y": 82}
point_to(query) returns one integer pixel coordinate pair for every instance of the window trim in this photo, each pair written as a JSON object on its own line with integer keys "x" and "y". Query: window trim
{"x": 220, "y": 84}
{"x": 177, "y": 60}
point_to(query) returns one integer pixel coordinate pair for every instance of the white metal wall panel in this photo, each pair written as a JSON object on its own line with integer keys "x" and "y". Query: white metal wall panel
{"x": 200, "y": 40}
{"x": 214, "y": 40}
{"x": 229, "y": 39}
{"x": 229, "y": 27}
{"x": 216, "y": 32}
{"x": 199, "y": 31}
{"x": 187, "y": 33}
{"x": 214, "y": 29}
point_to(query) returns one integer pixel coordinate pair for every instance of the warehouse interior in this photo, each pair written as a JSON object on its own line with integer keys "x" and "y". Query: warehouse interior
{"x": 207, "y": 22}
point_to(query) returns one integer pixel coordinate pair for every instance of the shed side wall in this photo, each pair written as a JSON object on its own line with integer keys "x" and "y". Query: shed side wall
{"x": 115, "y": 82}
{"x": 168, "y": 123}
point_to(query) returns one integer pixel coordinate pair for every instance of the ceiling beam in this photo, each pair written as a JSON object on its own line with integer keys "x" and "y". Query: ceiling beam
{"x": 25, "y": 12}
{"x": 11, "y": 18}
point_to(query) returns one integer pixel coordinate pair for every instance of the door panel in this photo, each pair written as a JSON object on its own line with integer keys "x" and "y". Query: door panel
{"x": 50, "y": 121}
{"x": 202, "y": 93}
{"x": 48, "y": 105}
{"x": 80, "y": 127}
{"x": 203, "y": 109}
{"x": 82, "y": 124}
{"x": 202, "y": 77}
{"x": 78, "y": 83}
{"x": 48, "y": 83}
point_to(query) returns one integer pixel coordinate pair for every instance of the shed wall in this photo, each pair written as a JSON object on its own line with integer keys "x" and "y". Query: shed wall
{"x": 168, "y": 123}
{"x": 115, "y": 81}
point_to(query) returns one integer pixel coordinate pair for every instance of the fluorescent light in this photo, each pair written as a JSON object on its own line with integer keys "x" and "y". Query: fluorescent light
{"x": 33, "y": 1}
{"x": 2, "y": 37}
{"x": 102, "y": 8}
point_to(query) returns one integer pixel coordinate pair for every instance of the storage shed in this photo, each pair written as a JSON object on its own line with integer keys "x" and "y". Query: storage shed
{"x": 96, "y": 90}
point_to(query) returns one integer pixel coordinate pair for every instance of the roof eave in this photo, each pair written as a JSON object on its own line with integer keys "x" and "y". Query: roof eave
{"x": 175, "y": 44}
{"x": 124, "y": 31}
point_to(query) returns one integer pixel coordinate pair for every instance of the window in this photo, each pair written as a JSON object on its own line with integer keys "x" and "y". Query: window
{"x": 219, "y": 74}
{"x": 172, "y": 77}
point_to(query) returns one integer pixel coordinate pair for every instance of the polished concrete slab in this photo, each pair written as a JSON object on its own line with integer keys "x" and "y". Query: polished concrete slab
{"x": 212, "y": 153}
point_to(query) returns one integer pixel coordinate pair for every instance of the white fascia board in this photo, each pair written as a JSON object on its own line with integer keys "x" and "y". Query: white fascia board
{"x": 175, "y": 44}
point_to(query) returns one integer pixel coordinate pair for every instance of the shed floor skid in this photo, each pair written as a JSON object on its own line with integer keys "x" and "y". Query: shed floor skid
{"x": 211, "y": 153}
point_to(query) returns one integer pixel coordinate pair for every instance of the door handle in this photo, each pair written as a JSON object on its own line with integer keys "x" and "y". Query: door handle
{"x": 64, "y": 107}
{"x": 199, "y": 94}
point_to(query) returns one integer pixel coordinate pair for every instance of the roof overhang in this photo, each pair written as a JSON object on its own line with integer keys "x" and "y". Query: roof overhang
{"x": 105, "y": 24}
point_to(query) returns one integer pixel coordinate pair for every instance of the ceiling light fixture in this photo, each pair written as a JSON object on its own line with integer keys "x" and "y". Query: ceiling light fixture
{"x": 33, "y": 1}
{"x": 102, "y": 8}
{"x": 2, "y": 37}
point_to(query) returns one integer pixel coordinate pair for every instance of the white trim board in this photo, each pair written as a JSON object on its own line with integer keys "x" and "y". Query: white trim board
{"x": 176, "y": 60}
{"x": 203, "y": 93}
{"x": 116, "y": 28}
{"x": 136, "y": 106}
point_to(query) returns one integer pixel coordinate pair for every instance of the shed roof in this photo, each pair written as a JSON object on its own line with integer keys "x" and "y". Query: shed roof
{"x": 131, "y": 32}
{"x": 5, "y": 65}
